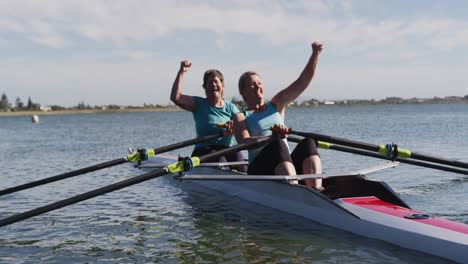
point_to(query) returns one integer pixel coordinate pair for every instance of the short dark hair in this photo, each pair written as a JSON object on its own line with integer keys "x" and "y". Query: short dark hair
{"x": 214, "y": 73}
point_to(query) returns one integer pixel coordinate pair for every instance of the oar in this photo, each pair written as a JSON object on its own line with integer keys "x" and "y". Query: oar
{"x": 171, "y": 168}
{"x": 382, "y": 149}
{"x": 137, "y": 156}
{"x": 326, "y": 145}
{"x": 207, "y": 164}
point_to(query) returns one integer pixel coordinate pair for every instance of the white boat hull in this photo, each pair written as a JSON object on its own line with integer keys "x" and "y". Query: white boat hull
{"x": 444, "y": 239}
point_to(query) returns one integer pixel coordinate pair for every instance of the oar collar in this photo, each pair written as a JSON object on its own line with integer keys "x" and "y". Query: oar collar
{"x": 187, "y": 163}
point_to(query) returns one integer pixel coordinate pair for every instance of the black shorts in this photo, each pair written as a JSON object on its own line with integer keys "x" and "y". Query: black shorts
{"x": 306, "y": 148}
{"x": 276, "y": 152}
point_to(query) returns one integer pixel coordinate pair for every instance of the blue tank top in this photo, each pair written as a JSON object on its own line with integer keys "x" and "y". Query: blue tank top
{"x": 206, "y": 117}
{"x": 259, "y": 123}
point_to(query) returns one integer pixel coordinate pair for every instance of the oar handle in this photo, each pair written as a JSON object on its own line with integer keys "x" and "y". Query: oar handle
{"x": 188, "y": 163}
{"x": 243, "y": 146}
{"x": 187, "y": 143}
{"x": 229, "y": 130}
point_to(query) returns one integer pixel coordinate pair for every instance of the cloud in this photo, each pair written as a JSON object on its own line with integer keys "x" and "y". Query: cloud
{"x": 52, "y": 22}
{"x": 50, "y": 40}
{"x": 139, "y": 55}
{"x": 102, "y": 51}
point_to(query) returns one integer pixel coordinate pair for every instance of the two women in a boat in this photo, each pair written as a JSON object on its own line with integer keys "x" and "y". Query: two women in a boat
{"x": 261, "y": 115}
{"x": 208, "y": 112}
{"x": 256, "y": 121}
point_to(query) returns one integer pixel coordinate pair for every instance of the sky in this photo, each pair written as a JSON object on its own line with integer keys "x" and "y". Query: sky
{"x": 128, "y": 52}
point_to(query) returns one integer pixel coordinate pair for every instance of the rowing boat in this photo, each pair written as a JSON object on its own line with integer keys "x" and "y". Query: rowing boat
{"x": 350, "y": 202}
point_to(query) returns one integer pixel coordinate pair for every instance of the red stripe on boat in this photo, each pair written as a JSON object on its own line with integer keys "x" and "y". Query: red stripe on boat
{"x": 375, "y": 204}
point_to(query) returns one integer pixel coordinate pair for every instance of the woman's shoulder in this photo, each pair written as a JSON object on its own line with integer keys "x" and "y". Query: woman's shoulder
{"x": 199, "y": 99}
{"x": 271, "y": 106}
{"x": 231, "y": 106}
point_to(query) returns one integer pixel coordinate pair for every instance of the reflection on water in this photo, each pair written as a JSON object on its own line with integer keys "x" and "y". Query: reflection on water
{"x": 156, "y": 221}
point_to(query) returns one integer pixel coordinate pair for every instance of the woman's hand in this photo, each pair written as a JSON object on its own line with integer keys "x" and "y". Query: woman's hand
{"x": 229, "y": 126}
{"x": 317, "y": 47}
{"x": 184, "y": 65}
{"x": 280, "y": 130}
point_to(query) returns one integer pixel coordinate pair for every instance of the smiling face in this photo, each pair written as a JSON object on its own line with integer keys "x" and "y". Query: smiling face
{"x": 213, "y": 83}
{"x": 251, "y": 89}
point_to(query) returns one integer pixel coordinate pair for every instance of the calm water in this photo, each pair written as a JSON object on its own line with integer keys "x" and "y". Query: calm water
{"x": 157, "y": 222}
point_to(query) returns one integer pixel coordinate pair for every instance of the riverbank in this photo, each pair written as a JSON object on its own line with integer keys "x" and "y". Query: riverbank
{"x": 175, "y": 108}
{"x": 90, "y": 111}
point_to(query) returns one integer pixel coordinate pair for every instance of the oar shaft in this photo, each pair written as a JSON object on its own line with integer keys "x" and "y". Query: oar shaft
{"x": 336, "y": 140}
{"x": 401, "y": 160}
{"x": 453, "y": 163}
{"x": 62, "y": 176}
{"x": 432, "y": 166}
{"x": 377, "y": 148}
{"x": 186, "y": 143}
{"x": 253, "y": 144}
{"x": 173, "y": 168}
{"x": 379, "y": 156}
{"x": 82, "y": 197}
{"x": 104, "y": 165}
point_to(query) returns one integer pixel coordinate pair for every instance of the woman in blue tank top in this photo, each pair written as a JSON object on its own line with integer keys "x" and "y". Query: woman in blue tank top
{"x": 208, "y": 112}
{"x": 274, "y": 158}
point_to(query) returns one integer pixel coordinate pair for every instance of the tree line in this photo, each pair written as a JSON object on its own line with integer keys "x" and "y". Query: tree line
{"x": 5, "y": 104}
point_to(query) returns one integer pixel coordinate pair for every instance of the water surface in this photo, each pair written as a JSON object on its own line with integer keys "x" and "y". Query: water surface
{"x": 157, "y": 222}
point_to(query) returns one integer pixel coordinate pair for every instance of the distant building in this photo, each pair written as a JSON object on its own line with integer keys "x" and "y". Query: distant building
{"x": 394, "y": 100}
{"x": 453, "y": 98}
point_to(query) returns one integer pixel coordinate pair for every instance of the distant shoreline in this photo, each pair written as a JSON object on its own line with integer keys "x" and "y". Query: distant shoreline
{"x": 177, "y": 109}
{"x": 91, "y": 111}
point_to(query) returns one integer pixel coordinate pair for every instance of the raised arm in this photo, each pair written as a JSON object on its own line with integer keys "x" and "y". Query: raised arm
{"x": 183, "y": 101}
{"x": 292, "y": 92}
